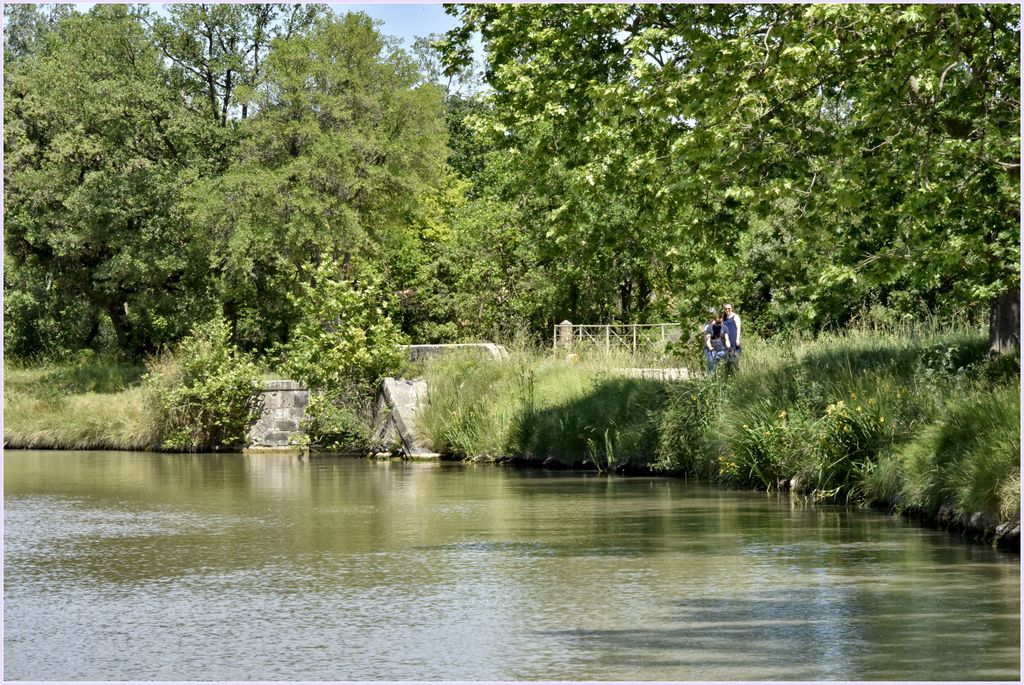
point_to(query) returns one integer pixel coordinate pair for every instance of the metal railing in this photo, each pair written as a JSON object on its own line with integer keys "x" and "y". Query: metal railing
{"x": 632, "y": 336}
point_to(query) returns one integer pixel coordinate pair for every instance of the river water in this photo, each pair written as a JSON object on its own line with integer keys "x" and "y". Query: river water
{"x": 134, "y": 566}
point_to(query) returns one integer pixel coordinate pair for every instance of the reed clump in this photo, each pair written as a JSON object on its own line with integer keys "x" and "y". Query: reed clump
{"x": 924, "y": 424}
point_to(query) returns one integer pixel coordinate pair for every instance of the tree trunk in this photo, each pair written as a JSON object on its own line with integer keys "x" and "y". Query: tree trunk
{"x": 229, "y": 311}
{"x": 227, "y": 99}
{"x": 644, "y": 296}
{"x": 122, "y": 327}
{"x": 1004, "y": 323}
{"x": 94, "y": 330}
{"x": 626, "y": 297}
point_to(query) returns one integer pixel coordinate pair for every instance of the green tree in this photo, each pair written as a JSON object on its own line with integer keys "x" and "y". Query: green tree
{"x": 575, "y": 162}
{"x": 889, "y": 134}
{"x": 96, "y": 144}
{"x": 330, "y": 170}
{"x": 218, "y": 51}
{"x": 26, "y": 27}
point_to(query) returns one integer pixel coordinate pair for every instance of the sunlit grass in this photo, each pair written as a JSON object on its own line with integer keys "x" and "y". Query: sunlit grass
{"x": 968, "y": 459}
{"x": 121, "y": 421}
{"x": 94, "y": 404}
{"x": 914, "y": 422}
{"x": 536, "y": 405}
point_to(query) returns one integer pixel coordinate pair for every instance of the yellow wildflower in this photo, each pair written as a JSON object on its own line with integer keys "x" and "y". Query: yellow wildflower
{"x": 853, "y": 395}
{"x": 871, "y": 402}
{"x": 881, "y": 419}
{"x": 782, "y": 414}
{"x": 858, "y": 408}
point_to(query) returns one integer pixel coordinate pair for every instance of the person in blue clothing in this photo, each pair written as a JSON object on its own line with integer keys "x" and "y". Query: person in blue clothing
{"x": 731, "y": 321}
{"x": 716, "y": 341}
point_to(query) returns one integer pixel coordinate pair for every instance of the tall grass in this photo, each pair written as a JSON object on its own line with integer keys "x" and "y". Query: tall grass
{"x": 119, "y": 421}
{"x": 919, "y": 422}
{"x": 473, "y": 403}
{"x": 969, "y": 460}
{"x": 95, "y": 403}
{"x": 539, "y": 407}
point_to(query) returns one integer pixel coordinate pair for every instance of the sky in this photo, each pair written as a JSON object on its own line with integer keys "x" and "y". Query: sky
{"x": 405, "y": 20}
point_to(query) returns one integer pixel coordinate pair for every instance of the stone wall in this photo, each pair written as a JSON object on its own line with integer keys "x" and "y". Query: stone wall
{"x": 416, "y": 352}
{"x": 282, "y": 405}
{"x": 395, "y": 428}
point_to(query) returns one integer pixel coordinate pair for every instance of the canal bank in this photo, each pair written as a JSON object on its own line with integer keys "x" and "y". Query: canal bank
{"x": 926, "y": 428}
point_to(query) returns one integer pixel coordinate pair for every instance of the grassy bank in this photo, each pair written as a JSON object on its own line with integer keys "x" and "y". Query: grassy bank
{"x": 538, "y": 408}
{"x": 921, "y": 423}
{"x": 88, "y": 404}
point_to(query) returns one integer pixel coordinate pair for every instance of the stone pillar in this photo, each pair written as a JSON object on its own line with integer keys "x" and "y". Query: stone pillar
{"x": 281, "y": 406}
{"x": 564, "y": 336}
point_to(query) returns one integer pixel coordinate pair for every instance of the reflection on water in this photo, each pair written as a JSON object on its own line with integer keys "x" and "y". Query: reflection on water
{"x": 131, "y": 566}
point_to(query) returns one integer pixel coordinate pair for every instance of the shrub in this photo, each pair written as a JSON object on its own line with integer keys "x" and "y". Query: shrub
{"x": 203, "y": 391}
{"x": 343, "y": 343}
{"x": 336, "y": 424}
{"x": 765, "y": 446}
{"x": 344, "y": 337}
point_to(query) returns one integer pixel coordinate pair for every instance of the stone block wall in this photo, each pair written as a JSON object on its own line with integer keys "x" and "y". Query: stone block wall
{"x": 281, "y": 405}
{"x": 416, "y": 352}
{"x": 395, "y": 427}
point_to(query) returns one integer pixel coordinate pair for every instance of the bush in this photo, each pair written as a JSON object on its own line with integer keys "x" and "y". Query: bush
{"x": 336, "y": 424}
{"x": 203, "y": 391}
{"x": 770, "y": 446}
{"x": 342, "y": 345}
{"x": 344, "y": 337}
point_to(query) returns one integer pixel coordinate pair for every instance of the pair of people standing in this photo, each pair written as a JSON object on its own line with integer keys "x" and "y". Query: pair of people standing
{"x": 722, "y": 338}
